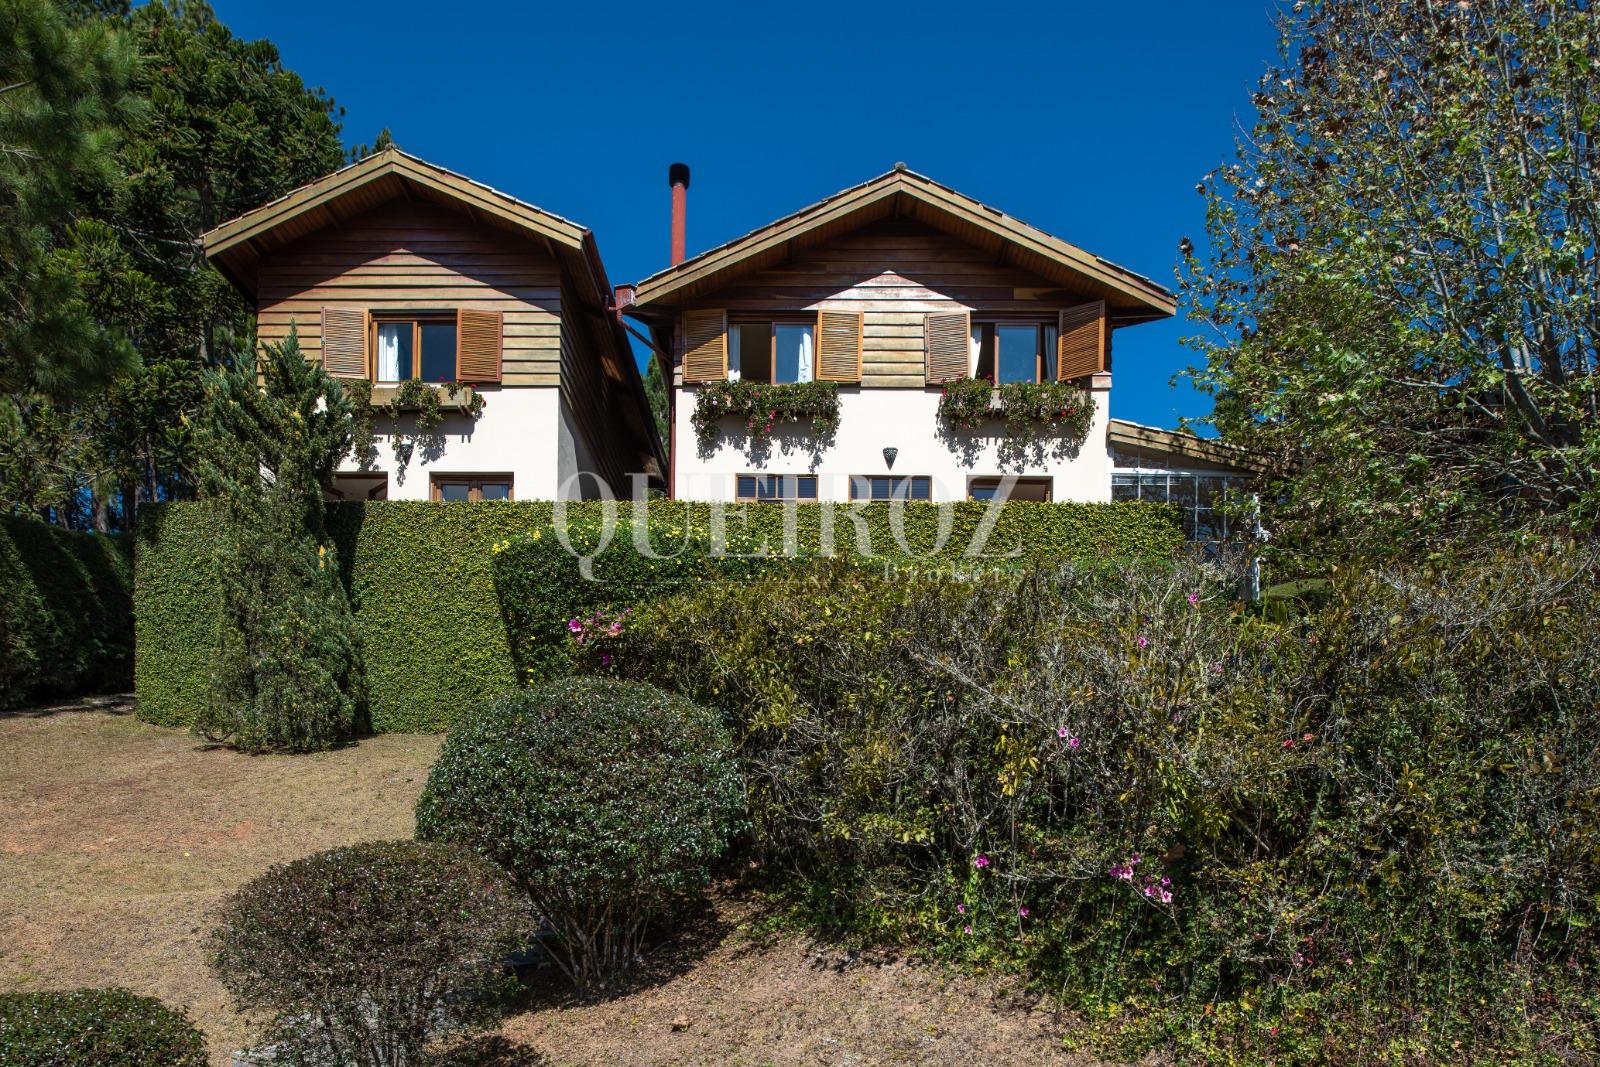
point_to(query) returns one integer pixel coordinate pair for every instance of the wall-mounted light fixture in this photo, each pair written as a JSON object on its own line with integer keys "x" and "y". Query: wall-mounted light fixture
{"x": 888, "y": 457}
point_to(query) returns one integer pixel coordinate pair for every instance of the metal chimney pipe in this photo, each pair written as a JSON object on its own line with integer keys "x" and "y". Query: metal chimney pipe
{"x": 678, "y": 178}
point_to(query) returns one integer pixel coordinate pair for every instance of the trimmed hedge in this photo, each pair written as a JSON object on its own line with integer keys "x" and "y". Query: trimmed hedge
{"x": 66, "y": 612}
{"x": 96, "y": 1028}
{"x": 420, "y": 575}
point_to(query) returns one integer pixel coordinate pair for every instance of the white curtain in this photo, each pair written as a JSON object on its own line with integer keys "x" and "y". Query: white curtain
{"x": 803, "y": 374}
{"x": 977, "y": 350}
{"x": 389, "y": 350}
{"x": 733, "y": 353}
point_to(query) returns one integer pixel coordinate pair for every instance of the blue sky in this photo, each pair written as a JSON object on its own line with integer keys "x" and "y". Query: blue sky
{"x": 1090, "y": 121}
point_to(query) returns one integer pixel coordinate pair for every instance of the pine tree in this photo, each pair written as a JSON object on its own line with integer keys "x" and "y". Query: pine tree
{"x": 63, "y": 95}
{"x": 287, "y": 671}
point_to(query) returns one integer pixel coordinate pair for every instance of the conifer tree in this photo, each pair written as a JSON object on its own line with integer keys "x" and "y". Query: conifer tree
{"x": 287, "y": 668}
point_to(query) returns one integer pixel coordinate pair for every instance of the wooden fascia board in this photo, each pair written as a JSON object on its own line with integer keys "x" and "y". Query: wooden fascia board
{"x": 732, "y": 255}
{"x": 265, "y": 218}
{"x": 1006, "y": 230}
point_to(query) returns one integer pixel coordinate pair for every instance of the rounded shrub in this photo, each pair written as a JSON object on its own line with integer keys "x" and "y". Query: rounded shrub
{"x": 606, "y": 800}
{"x": 365, "y": 954}
{"x": 95, "y": 1028}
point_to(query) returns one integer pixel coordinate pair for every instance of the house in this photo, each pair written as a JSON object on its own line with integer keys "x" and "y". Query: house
{"x": 910, "y": 299}
{"x": 393, "y": 270}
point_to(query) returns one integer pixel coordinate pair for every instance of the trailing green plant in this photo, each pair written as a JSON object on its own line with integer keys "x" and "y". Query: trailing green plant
{"x": 66, "y": 612}
{"x": 286, "y": 662}
{"x": 414, "y": 398}
{"x": 763, "y": 406}
{"x": 1357, "y": 833}
{"x": 606, "y": 800}
{"x": 366, "y": 955}
{"x": 96, "y": 1028}
{"x": 422, "y": 576}
{"x": 1031, "y": 409}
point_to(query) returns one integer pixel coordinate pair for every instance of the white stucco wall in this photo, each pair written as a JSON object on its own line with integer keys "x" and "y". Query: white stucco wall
{"x": 516, "y": 434}
{"x": 906, "y": 419}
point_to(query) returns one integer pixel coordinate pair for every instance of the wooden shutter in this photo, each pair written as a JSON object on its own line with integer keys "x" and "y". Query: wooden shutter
{"x": 344, "y": 341}
{"x": 838, "y": 346}
{"x": 705, "y": 345}
{"x": 948, "y": 336}
{"x": 1081, "y": 344}
{"x": 478, "y": 345}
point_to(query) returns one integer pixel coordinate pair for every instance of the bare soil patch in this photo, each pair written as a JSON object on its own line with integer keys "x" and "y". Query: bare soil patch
{"x": 120, "y": 838}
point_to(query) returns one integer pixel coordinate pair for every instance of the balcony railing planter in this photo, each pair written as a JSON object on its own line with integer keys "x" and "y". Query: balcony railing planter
{"x": 428, "y": 401}
{"x": 763, "y": 407}
{"x": 1030, "y": 409}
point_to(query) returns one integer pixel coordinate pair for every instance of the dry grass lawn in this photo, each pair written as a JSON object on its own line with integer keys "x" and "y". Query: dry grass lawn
{"x": 120, "y": 838}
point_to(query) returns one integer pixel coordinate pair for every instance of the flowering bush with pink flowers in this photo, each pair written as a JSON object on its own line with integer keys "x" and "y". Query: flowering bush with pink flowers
{"x": 1291, "y": 839}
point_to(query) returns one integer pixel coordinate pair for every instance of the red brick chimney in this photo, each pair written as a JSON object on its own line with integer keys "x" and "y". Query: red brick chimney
{"x": 678, "y": 178}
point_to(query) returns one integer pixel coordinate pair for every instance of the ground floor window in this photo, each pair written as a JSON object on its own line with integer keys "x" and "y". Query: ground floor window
{"x": 985, "y": 489}
{"x": 1198, "y": 495}
{"x": 891, "y": 487}
{"x": 775, "y": 488}
{"x": 463, "y": 487}
{"x": 363, "y": 486}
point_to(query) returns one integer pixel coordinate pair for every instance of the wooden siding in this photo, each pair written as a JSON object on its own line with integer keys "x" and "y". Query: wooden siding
{"x": 419, "y": 257}
{"x": 894, "y": 273}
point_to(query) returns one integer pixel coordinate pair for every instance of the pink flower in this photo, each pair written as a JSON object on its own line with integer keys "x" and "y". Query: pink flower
{"x": 1061, "y": 731}
{"x": 1074, "y": 742}
{"x": 961, "y": 909}
{"x": 1149, "y": 891}
{"x": 981, "y": 862}
{"x": 1194, "y": 600}
{"x": 1289, "y": 743}
{"x": 1165, "y": 880}
{"x": 1022, "y": 912}
{"x": 1166, "y": 896}
{"x": 605, "y": 659}
{"x": 575, "y": 626}
{"x": 1135, "y": 859}
{"x": 1143, "y": 641}
{"x": 967, "y": 930}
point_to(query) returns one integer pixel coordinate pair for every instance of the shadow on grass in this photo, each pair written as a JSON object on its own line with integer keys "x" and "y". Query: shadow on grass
{"x": 674, "y": 951}
{"x": 490, "y": 1051}
{"x": 109, "y": 704}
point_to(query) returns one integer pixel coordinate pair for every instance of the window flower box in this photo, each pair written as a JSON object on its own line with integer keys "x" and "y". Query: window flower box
{"x": 764, "y": 406}
{"x": 1029, "y": 408}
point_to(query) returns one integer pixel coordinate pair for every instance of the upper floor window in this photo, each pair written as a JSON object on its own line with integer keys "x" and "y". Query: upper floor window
{"x": 1015, "y": 351}
{"x": 414, "y": 347}
{"x": 890, "y": 487}
{"x": 773, "y": 352}
{"x": 776, "y": 488}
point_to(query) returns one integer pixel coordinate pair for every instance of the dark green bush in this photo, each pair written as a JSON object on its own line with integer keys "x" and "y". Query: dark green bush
{"x": 555, "y": 584}
{"x": 1377, "y": 822}
{"x": 421, "y": 579}
{"x": 66, "y": 612}
{"x": 606, "y": 800}
{"x": 285, "y": 657}
{"x": 365, "y": 954}
{"x": 95, "y": 1028}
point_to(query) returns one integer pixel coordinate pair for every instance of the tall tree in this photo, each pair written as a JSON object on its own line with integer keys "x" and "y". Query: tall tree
{"x": 63, "y": 96}
{"x": 287, "y": 668}
{"x": 224, "y": 128}
{"x": 1404, "y": 264}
